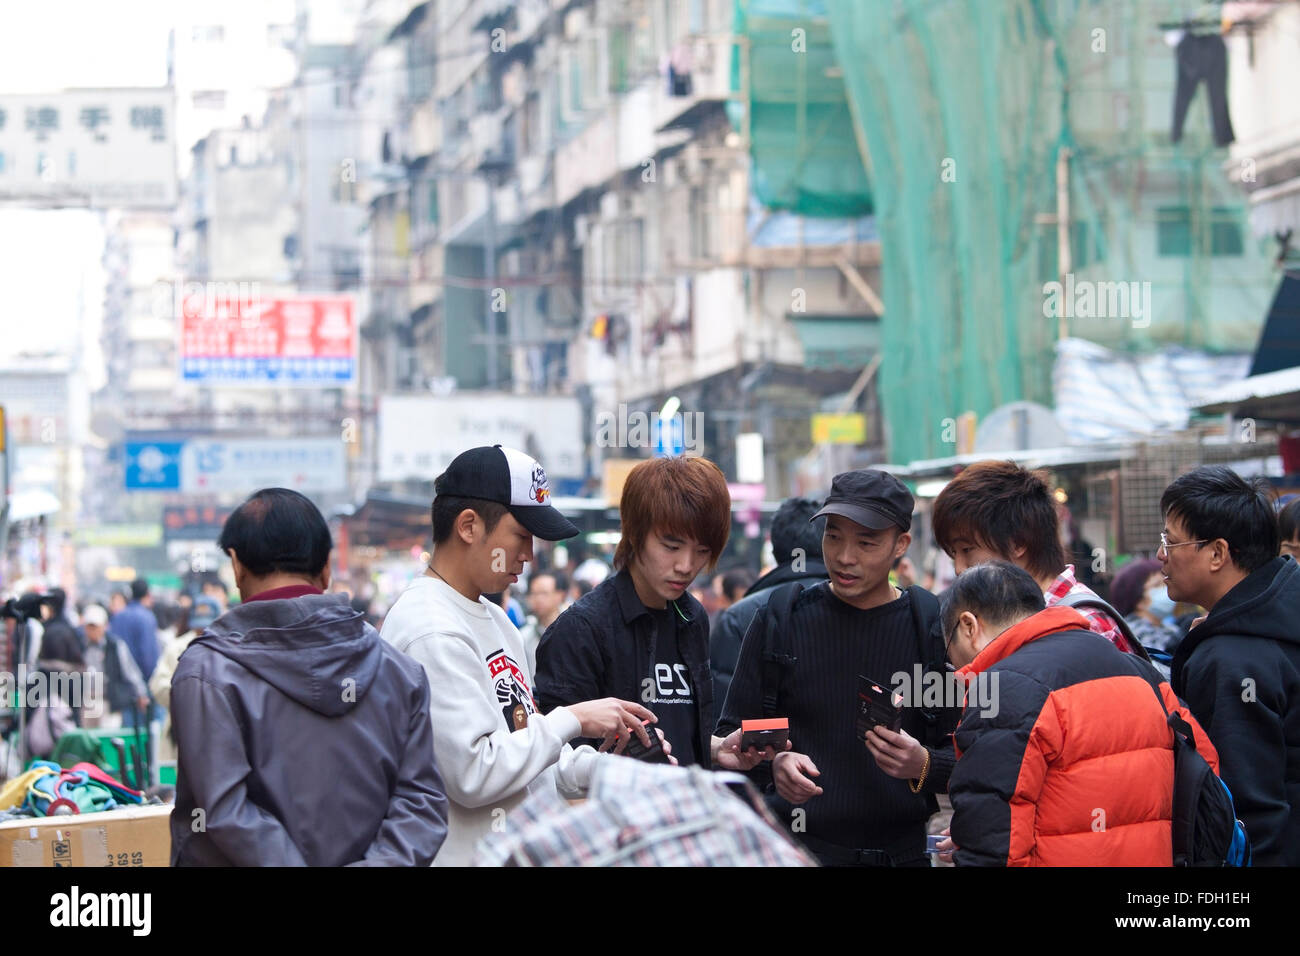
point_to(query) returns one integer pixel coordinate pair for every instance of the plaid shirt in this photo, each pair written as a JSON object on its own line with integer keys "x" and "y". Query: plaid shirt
{"x": 642, "y": 814}
{"x": 1098, "y": 621}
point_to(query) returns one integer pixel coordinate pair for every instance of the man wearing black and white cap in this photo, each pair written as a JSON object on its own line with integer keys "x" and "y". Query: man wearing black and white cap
{"x": 492, "y": 745}
{"x": 854, "y": 800}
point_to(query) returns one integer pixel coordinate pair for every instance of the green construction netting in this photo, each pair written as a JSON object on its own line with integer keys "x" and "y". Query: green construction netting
{"x": 805, "y": 157}
{"x": 988, "y": 91}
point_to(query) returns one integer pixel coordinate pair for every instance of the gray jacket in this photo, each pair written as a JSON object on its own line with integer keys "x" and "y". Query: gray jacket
{"x": 304, "y": 740}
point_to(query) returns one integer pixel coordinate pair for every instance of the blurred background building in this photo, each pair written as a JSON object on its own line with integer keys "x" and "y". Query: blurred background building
{"x": 832, "y": 233}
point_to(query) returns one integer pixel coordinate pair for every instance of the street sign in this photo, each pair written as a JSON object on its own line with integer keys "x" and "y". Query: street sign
{"x": 848, "y": 429}
{"x": 232, "y": 335}
{"x": 420, "y": 435}
{"x": 669, "y": 436}
{"x": 193, "y": 522}
{"x": 238, "y": 466}
{"x": 136, "y": 535}
{"x": 153, "y": 466}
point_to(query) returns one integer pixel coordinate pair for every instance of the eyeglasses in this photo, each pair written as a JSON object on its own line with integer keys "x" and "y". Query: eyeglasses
{"x": 1165, "y": 545}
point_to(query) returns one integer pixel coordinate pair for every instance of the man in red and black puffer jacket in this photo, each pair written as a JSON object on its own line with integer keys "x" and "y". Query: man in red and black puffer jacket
{"x": 1065, "y": 756}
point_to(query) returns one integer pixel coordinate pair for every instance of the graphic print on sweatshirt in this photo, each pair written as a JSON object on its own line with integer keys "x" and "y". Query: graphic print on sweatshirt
{"x": 513, "y": 694}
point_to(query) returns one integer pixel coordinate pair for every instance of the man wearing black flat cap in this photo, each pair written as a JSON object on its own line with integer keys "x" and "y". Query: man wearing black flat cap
{"x": 493, "y": 745}
{"x": 854, "y": 798}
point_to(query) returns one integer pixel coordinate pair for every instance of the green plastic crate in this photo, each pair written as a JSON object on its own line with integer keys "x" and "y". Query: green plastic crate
{"x": 95, "y": 746}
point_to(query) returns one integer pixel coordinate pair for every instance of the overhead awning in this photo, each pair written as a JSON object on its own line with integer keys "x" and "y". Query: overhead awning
{"x": 837, "y": 341}
{"x": 1274, "y": 396}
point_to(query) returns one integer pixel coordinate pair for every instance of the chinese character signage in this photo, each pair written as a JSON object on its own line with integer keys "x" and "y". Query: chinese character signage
{"x": 237, "y": 466}
{"x": 97, "y": 148}
{"x": 281, "y": 340}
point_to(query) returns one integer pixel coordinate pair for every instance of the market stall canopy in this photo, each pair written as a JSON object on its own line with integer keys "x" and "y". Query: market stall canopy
{"x": 1273, "y": 397}
{"x": 1107, "y": 396}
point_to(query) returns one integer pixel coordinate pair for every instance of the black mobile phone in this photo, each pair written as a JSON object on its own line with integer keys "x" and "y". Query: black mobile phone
{"x": 639, "y": 751}
{"x": 877, "y": 704}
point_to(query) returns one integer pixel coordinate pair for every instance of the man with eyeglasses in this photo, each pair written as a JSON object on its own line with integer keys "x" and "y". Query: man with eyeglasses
{"x": 1036, "y": 778}
{"x": 1239, "y": 667}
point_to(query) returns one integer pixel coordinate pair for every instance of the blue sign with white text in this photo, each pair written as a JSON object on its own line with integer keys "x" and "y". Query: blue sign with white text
{"x": 669, "y": 437}
{"x": 153, "y": 466}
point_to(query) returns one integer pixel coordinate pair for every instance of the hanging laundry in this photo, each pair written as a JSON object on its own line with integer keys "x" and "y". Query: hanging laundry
{"x": 1202, "y": 58}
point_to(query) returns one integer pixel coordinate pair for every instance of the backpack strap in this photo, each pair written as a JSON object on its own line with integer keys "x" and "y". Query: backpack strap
{"x": 1175, "y": 720}
{"x": 1096, "y": 603}
{"x": 776, "y": 655}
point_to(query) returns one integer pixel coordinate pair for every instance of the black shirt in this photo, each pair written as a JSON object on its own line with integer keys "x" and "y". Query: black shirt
{"x": 667, "y": 691}
{"x": 606, "y": 644}
{"x": 861, "y": 807}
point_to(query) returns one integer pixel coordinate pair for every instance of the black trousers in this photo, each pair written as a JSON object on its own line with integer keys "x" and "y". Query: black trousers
{"x": 1202, "y": 58}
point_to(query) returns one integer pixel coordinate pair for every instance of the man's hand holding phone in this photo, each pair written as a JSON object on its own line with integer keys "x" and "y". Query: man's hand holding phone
{"x": 793, "y": 775}
{"x": 610, "y": 717}
{"x": 896, "y": 752}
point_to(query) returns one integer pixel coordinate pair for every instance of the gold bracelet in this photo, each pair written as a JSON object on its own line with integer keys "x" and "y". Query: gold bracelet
{"x": 916, "y": 787}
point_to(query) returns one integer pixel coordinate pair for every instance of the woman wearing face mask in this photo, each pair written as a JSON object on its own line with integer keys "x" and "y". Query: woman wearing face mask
{"x": 1139, "y": 593}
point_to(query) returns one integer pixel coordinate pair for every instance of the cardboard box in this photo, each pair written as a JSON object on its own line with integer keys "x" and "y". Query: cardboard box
{"x": 128, "y": 836}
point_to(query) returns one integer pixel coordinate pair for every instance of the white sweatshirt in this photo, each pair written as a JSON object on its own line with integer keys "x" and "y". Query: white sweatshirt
{"x": 491, "y": 745}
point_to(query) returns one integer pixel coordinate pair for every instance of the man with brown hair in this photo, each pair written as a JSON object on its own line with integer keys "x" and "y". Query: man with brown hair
{"x": 640, "y": 635}
{"x": 996, "y": 510}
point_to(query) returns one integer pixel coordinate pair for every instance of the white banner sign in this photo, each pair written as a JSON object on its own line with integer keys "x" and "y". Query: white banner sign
{"x": 89, "y": 147}
{"x": 242, "y": 466}
{"x": 419, "y": 436}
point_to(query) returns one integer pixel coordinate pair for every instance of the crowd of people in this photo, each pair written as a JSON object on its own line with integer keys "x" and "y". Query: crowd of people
{"x": 1016, "y": 718}
{"x": 107, "y": 660}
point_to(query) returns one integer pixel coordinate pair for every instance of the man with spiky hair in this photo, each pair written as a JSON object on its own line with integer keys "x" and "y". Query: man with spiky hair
{"x": 996, "y": 510}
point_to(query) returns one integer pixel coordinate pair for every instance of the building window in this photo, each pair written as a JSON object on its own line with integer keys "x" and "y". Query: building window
{"x": 1085, "y": 248}
{"x": 1174, "y": 231}
{"x": 1225, "y": 232}
{"x": 1220, "y": 236}
{"x": 2, "y": 164}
